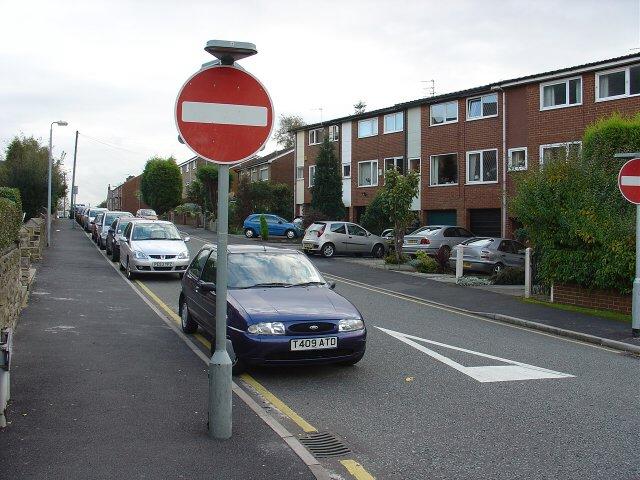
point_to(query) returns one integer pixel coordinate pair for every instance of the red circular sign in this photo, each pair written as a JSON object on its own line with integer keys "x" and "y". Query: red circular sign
{"x": 629, "y": 181}
{"x": 224, "y": 114}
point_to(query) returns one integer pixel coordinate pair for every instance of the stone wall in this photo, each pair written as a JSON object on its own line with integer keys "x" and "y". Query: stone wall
{"x": 598, "y": 299}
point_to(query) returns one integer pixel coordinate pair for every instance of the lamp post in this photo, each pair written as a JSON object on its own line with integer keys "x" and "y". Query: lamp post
{"x": 60, "y": 123}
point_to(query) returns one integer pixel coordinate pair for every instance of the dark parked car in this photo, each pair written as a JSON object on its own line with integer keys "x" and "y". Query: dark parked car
{"x": 113, "y": 236}
{"x": 280, "y": 309}
{"x": 490, "y": 255}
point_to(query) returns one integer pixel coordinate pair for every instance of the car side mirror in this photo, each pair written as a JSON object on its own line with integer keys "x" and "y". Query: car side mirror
{"x": 207, "y": 287}
{"x": 521, "y": 252}
{"x": 332, "y": 285}
{"x": 187, "y": 239}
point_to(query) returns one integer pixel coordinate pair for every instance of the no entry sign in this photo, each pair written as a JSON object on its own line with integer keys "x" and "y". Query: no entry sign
{"x": 224, "y": 114}
{"x": 629, "y": 181}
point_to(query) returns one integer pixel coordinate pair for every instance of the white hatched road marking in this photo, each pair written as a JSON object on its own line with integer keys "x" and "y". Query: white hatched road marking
{"x": 224, "y": 114}
{"x": 484, "y": 374}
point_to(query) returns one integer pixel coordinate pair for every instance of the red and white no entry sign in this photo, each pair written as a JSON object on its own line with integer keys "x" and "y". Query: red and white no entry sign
{"x": 629, "y": 181}
{"x": 224, "y": 114}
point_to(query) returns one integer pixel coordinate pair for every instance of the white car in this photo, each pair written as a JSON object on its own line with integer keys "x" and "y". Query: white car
{"x": 153, "y": 246}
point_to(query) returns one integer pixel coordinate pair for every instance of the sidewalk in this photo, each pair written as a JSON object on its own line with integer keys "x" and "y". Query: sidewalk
{"x": 102, "y": 388}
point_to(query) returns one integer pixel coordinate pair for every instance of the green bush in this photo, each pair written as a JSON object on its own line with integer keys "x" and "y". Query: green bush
{"x": 426, "y": 264}
{"x": 392, "y": 260}
{"x": 576, "y": 219}
{"x": 189, "y": 209}
{"x": 12, "y": 194}
{"x": 10, "y": 222}
{"x": 374, "y": 218}
{"x": 264, "y": 228}
{"x": 509, "y": 276}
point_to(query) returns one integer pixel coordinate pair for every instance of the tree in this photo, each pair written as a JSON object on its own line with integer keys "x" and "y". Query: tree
{"x": 359, "y": 107}
{"x": 264, "y": 228}
{"x": 375, "y": 219}
{"x": 283, "y": 135}
{"x": 326, "y": 193}
{"x": 263, "y": 197}
{"x": 195, "y": 192}
{"x": 207, "y": 175}
{"x": 26, "y": 168}
{"x": 397, "y": 195}
{"x": 102, "y": 204}
{"x": 161, "y": 184}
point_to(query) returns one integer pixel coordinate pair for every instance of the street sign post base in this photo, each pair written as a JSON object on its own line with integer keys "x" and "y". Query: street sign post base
{"x": 220, "y": 395}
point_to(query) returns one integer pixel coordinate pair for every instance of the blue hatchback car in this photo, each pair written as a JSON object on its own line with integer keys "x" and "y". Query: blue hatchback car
{"x": 277, "y": 226}
{"x": 280, "y": 311}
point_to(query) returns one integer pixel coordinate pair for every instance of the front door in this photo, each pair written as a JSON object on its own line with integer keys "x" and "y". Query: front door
{"x": 358, "y": 239}
{"x": 191, "y": 281}
{"x": 337, "y": 235}
{"x": 207, "y": 300}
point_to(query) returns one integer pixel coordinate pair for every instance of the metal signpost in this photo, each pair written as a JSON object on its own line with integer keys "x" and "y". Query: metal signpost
{"x": 224, "y": 115}
{"x": 60, "y": 123}
{"x": 629, "y": 185}
{"x": 74, "y": 189}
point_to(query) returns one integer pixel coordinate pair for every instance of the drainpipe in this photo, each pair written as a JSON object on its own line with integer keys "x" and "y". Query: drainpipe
{"x": 503, "y": 219}
{"x": 295, "y": 173}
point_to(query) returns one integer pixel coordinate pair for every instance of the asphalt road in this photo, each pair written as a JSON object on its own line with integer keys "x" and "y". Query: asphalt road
{"x": 415, "y": 407}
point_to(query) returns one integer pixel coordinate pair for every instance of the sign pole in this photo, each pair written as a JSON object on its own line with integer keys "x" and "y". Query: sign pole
{"x": 73, "y": 183}
{"x": 635, "y": 301}
{"x": 220, "y": 363}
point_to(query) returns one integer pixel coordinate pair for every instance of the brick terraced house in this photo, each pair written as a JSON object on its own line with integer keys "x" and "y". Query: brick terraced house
{"x": 469, "y": 146}
{"x": 126, "y": 196}
{"x": 277, "y": 167}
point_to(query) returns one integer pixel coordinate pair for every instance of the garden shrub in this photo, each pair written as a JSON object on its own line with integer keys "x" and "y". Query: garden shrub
{"x": 473, "y": 281}
{"x": 442, "y": 259}
{"x": 391, "y": 259}
{"x": 264, "y": 228}
{"x": 12, "y": 194}
{"x": 10, "y": 223}
{"x": 509, "y": 276}
{"x": 426, "y": 264}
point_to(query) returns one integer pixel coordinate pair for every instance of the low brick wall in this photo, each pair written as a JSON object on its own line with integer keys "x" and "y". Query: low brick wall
{"x": 599, "y": 299}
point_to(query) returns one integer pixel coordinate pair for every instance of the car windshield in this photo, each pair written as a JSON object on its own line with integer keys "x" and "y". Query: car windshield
{"x": 479, "y": 242}
{"x": 122, "y": 225}
{"x": 249, "y": 270}
{"x": 147, "y": 212}
{"x": 156, "y": 231}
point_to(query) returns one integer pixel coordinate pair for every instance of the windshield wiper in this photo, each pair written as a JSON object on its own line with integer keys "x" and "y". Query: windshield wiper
{"x": 270, "y": 284}
{"x": 304, "y": 284}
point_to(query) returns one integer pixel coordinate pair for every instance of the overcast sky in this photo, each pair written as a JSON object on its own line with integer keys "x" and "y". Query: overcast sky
{"x": 113, "y": 69}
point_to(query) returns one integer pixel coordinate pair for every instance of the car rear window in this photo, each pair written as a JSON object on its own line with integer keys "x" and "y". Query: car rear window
{"x": 427, "y": 230}
{"x": 479, "y": 242}
{"x": 316, "y": 227}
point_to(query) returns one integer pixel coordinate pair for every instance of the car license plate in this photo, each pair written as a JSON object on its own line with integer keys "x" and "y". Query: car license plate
{"x": 307, "y": 246}
{"x": 412, "y": 242}
{"x": 466, "y": 264}
{"x": 162, "y": 264}
{"x": 314, "y": 343}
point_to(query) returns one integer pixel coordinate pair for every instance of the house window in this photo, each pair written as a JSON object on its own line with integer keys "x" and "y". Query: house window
{"x": 482, "y": 166}
{"x": 264, "y": 173}
{"x": 482, "y": 107}
{"x": 254, "y": 174}
{"x": 299, "y": 173}
{"x": 414, "y": 165}
{"x": 558, "y": 151}
{"x": 561, "y": 94}
{"x": 444, "y": 113}
{"x": 518, "y": 158}
{"x": 314, "y": 136}
{"x": 367, "y": 128}
{"x": 312, "y": 175}
{"x": 186, "y": 168}
{"x": 394, "y": 162}
{"x": 444, "y": 169}
{"x": 346, "y": 171}
{"x": 624, "y": 82}
{"x": 334, "y": 133}
{"x": 368, "y": 173}
{"x": 393, "y": 122}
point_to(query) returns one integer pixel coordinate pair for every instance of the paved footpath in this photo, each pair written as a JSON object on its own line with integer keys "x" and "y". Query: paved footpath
{"x": 103, "y": 388}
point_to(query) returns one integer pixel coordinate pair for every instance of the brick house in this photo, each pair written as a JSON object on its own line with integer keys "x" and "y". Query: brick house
{"x": 277, "y": 167}
{"x": 188, "y": 171}
{"x": 466, "y": 149}
{"x": 126, "y": 196}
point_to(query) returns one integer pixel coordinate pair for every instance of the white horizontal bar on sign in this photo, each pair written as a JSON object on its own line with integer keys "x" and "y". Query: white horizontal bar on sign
{"x": 629, "y": 181}
{"x": 224, "y": 114}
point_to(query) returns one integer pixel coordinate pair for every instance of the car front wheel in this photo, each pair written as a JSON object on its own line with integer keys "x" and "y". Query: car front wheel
{"x": 187, "y": 322}
{"x": 249, "y": 233}
{"x": 497, "y": 268}
{"x": 130, "y": 274}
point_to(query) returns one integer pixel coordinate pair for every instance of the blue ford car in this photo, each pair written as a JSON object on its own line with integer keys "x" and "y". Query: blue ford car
{"x": 277, "y": 226}
{"x": 280, "y": 309}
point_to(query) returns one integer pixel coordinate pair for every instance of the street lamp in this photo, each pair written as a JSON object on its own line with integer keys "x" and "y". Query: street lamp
{"x": 60, "y": 123}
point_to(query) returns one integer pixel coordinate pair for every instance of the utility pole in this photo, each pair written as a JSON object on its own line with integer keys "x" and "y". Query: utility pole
{"x": 73, "y": 181}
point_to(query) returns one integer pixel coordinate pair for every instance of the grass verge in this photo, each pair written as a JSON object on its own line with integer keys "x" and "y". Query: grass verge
{"x": 619, "y": 317}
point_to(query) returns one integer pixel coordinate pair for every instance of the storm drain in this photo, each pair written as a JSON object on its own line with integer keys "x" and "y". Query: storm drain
{"x": 323, "y": 445}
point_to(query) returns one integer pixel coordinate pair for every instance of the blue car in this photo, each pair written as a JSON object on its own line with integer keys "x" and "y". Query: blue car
{"x": 280, "y": 311}
{"x": 277, "y": 226}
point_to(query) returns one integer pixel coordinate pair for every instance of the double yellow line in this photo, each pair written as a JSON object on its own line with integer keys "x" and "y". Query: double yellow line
{"x": 354, "y": 468}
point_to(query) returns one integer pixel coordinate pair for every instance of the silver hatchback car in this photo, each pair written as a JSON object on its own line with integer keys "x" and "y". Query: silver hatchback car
{"x": 432, "y": 238}
{"x": 153, "y": 246}
{"x": 331, "y": 237}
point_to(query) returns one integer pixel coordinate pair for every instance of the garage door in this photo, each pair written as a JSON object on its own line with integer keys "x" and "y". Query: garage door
{"x": 441, "y": 217}
{"x": 485, "y": 222}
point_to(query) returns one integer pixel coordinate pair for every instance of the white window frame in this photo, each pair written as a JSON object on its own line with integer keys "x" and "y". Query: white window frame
{"x": 263, "y": 169}
{"x": 556, "y": 145}
{"x": 419, "y": 171}
{"x": 566, "y": 87}
{"x": 314, "y": 134}
{"x": 627, "y": 83}
{"x": 312, "y": 176}
{"x": 395, "y": 115}
{"x": 395, "y": 163}
{"x": 510, "y": 159}
{"x": 299, "y": 173}
{"x": 254, "y": 178}
{"x": 431, "y": 158}
{"x": 334, "y": 133}
{"x": 481, "y": 182}
{"x": 374, "y": 173}
{"x": 343, "y": 175}
{"x": 374, "y": 128}
{"x": 481, "y": 97}
{"x": 431, "y": 124}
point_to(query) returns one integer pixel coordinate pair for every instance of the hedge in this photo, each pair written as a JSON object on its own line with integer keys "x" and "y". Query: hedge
{"x": 11, "y": 194}
{"x": 10, "y": 223}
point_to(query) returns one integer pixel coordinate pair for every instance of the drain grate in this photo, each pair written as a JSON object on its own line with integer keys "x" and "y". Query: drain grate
{"x": 323, "y": 445}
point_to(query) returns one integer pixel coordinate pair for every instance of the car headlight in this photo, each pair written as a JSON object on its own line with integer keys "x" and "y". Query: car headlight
{"x": 267, "y": 328}
{"x": 140, "y": 255}
{"x": 350, "y": 324}
{"x": 183, "y": 255}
